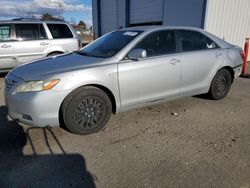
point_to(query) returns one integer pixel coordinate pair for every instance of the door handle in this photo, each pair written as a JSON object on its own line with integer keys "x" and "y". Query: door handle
{"x": 174, "y": 61}
{"x": 44, "y": 43}
{"x": 5, "y": 46}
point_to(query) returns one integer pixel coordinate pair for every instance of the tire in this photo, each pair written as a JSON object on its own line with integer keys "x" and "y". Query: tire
{"x": 86, "y": 110}
{"x": 220, "y": 85}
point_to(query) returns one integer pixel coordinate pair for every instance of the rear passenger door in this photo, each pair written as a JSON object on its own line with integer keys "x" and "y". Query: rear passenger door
{"x": 31, "y": 42}
{"x": 200, "y": 58}
{"x": 6, "y": 47}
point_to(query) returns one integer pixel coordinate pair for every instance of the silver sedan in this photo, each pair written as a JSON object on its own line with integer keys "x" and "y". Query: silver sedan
{"x": 122, "y": 70}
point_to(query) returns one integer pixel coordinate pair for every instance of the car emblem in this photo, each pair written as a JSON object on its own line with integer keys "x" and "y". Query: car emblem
{"x": 9, "y": 82}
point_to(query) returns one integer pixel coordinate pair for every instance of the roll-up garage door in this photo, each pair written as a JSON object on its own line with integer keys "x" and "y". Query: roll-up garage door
{"x": 146, "y": 11}
{"x": 108, "y": 10}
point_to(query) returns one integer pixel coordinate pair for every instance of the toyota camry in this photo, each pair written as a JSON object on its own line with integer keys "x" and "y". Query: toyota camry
{"x": 120, "y": 71}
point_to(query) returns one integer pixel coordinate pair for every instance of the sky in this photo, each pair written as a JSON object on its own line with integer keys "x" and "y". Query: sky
{"x": 71, "y": 10}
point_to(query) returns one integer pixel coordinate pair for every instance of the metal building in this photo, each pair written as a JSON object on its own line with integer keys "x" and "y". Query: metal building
{"x": 229, "y": 19}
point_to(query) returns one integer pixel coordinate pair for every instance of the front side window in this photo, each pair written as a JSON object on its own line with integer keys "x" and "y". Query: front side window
{"x": 158, "y": 43}
{"x": 110, "y": 44}
{"x": 194, "y": 41}
{"x": 30, "y": 32}
{"x": 5, "y": 32}
{"x": 60, "y": 31}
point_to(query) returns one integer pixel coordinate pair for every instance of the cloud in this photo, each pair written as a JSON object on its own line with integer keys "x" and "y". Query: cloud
{"x": 25, "y": 8}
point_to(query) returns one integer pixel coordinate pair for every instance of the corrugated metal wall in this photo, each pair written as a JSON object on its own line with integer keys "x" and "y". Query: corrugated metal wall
{"x": 184, "y": 13}
{"x": 143, "y": 11}
{"x": 108, "y": 9}
{"x": 229, "y": 19}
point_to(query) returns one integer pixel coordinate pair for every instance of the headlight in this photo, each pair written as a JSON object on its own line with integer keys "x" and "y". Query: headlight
{"x": 36, "y": 86}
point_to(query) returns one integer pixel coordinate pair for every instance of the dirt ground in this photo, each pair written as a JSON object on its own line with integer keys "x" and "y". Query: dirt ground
{"x": 206, "y": 145}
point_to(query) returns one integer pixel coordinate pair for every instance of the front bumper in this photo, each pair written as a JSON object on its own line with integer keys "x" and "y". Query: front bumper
{"x": 39, "y": 109}
{"x": 237, "y": 71}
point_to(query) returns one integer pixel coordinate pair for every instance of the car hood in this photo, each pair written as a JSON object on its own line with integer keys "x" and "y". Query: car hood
{"x": 56, "y": 65}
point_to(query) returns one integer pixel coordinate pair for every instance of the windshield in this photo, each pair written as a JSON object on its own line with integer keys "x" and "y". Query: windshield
{"x": 110, "y": 44}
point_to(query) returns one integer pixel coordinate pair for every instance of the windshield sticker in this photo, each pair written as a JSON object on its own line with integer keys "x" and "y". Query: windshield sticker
{"x": 130, "y": 33}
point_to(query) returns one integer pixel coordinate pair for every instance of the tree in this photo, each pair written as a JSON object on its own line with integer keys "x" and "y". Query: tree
{"x": 83, "y": 24}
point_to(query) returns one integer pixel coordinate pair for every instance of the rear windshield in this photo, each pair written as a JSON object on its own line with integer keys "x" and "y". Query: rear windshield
{"x": 110, "y": 44}
{"x": 60, "y": 31}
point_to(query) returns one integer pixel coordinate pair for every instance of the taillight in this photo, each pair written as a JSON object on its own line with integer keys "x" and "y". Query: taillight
{"x": 79, "y": 44}
{"x": 242, "y": 55}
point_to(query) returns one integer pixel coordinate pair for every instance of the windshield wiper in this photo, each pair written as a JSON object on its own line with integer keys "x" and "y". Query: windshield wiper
{"x": 90, "y": 55}
{"x": 82, "y": 53}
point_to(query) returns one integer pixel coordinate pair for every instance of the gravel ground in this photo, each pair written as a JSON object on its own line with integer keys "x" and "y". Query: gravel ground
{"x": 205, "y": 145}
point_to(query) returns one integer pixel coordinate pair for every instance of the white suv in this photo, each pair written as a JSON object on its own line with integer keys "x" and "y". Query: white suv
{"x": 22, "y": 41}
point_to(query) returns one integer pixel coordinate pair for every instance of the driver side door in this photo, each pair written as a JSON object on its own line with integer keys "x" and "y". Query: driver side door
{"x": 154, "y": 77}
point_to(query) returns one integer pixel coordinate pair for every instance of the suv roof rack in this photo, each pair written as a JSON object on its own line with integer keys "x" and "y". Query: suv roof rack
{"x": 26, "y": 19}
{"x": 36, "y": 19}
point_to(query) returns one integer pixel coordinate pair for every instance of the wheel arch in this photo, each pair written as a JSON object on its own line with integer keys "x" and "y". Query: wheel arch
{"x": 108, "y": 92}
{"x": 101, "y": 87}
{"x": 54, "y": 52}
{"x": 230, "y": 69}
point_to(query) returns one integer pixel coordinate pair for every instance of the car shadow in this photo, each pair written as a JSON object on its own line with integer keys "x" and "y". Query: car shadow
{"x": 53, "y": 170}
{"x": 2, "y": 75}
{"x": 203, "y": 96}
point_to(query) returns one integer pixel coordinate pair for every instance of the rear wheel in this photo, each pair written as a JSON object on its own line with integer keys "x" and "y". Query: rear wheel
{"x": 220, "y": 85}
{"x": 87, "y": 110}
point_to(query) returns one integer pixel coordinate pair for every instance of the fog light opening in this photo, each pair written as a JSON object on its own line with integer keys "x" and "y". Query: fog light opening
{"x": 27, "y": 117}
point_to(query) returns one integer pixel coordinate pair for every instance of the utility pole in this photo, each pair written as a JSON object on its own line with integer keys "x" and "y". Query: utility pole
{"x": 31, "y": 15}
{"x": 60, "y": 8}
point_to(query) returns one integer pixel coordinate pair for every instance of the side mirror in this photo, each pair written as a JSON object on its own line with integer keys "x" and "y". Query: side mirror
{"x": 136, "y": 54}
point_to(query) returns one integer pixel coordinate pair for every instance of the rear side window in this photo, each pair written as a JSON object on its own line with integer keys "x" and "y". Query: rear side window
{"x": 60, "y": 31}
{"x": 30, "y": 32}
{"x": 5, "y": 32}
{"x": 194, "y": 41}
{"x": 158, "y": 43}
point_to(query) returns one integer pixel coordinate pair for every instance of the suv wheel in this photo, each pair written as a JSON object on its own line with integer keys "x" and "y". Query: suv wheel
{"x": 221, "y": 84}
{"x": 87, "y": 110}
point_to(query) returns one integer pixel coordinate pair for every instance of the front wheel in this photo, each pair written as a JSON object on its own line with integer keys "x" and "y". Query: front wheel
{"x": 86, "y": 110}
{"x": 220, "y": 85}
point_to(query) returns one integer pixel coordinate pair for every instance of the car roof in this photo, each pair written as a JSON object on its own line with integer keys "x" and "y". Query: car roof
{"x": 156, "y": 27}
{"x": 147, "y": 29}
{"x": 30, "y": 21}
